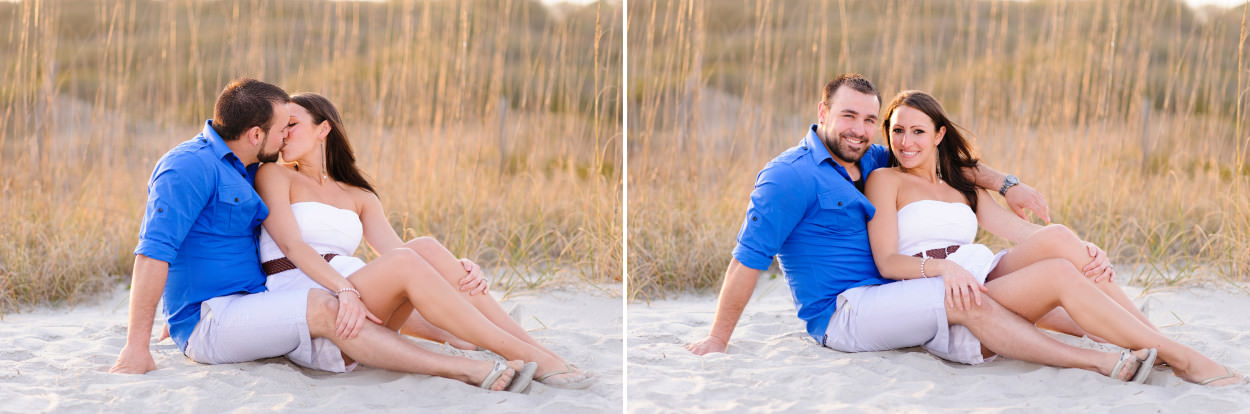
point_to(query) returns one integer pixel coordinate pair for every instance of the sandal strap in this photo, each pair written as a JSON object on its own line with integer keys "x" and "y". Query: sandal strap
{"x": 494, "y": 374}
{"x": 1228, "y": 374}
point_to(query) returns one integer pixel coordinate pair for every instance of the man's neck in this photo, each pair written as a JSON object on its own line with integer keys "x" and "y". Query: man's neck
{"x": 239, "y": 147}
{"x": 852, "y": 168}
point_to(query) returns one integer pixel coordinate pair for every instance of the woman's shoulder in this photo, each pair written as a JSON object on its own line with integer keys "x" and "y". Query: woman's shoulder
{"x": 271, "y": 173}
{"x": 361, "y": 197}
{"x": 882, "y": 175}
{"x": 273, "y": 169}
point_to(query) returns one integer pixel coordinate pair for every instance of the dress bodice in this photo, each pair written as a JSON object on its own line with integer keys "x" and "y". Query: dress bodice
{"x": 932, "y": 224}
{"x": 328, "y": 229}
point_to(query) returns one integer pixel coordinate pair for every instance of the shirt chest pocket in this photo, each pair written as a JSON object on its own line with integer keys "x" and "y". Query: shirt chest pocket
{"x": 236, "y": 206}
{"x": 841, "y": 213}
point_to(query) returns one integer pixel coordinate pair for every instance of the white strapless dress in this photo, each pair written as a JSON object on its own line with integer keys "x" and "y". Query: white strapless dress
{"x": 931, "y": 224}
{"x": 328, "y": 229}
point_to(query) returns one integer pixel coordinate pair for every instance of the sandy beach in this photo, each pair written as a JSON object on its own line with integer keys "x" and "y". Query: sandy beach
{"x": 57, "y": 360}
{"x": 774, "y": 366}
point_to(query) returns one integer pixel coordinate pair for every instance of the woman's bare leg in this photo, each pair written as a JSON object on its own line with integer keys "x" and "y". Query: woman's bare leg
{"x": 402, "y": 276}
{"x": 1058, "y": 242}
{"x": 1035, "y": 290}
{"x": 449, "y": 267}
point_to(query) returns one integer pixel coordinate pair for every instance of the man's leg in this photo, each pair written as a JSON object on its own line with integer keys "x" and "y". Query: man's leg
{"x": 379, "y": 347}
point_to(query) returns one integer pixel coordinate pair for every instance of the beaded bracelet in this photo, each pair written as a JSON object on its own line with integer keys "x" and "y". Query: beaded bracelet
{"x": 357, "y": 292}
{"x": 925, "y": 259}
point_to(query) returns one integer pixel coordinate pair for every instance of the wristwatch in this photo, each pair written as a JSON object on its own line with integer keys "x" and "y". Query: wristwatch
{"x": 1010, "y": 181}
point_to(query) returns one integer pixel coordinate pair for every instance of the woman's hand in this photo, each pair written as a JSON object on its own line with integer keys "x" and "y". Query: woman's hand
{"x": 473, "y": 283}
{"x": 1099, "y": 267}
{"x": 352, "y": 315}
{"x": 962, "y": 290}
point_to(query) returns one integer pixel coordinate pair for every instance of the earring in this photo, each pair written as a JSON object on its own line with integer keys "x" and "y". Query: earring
{"x": 324, "y": 164}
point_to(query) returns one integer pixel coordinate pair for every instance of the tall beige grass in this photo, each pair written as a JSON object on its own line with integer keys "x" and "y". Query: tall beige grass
{"x": 491, "y": 125}
{"x": 1129, "y": 115}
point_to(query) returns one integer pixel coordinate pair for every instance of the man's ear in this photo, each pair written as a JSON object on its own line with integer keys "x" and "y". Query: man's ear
{"x": 821, "y": 109}
{"x": 253, "y": 135}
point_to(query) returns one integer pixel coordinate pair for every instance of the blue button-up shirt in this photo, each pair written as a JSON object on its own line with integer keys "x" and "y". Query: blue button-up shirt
{"x": 806, "y": 211}
{"x": 202, "y": 218}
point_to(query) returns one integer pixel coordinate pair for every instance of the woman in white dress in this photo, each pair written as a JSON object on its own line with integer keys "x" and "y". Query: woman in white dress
{"x": 925, "y": 225}
{"x": 320, "y": 206}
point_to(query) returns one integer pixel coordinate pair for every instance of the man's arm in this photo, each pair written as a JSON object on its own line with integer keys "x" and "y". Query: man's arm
{"x": 147, "y": 283}
{"x": 734, "y": 295}
{"x": 1019, "y": 197}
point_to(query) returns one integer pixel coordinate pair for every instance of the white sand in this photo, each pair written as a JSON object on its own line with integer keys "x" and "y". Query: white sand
{"x": 774, "y": 366}
{"x": 57, "y": 360}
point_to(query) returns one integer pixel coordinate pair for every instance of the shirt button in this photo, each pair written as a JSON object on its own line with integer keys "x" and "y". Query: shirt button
{"x": 203, "y": 140}
{"x": 236, "y": 199}
{"x": 160, "y": 210}
{"x": 839, "y": 204}
{"x": 755, "y": 218}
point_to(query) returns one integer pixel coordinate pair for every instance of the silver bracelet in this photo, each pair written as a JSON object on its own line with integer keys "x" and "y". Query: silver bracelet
{"x": 357, "y": 292}
{"x": 925, "y": 259}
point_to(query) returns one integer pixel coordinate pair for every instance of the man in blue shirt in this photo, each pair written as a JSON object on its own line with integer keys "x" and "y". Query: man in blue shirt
{"x": 197, "y": 251}
{"x": 808, "y": 211}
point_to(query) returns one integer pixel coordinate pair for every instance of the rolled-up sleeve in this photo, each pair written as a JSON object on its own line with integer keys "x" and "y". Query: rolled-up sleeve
{"x": 181, "y": 186}
{"x": 777, "y": 204}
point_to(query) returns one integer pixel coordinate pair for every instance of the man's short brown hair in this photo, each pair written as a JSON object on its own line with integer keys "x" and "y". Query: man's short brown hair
{"x": 246, "y": 103}
{"x": 854, "y": 81}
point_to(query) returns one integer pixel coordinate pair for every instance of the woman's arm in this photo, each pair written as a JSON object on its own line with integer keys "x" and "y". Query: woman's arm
{"x": 273, "y": 183}
{"x": 997, "y": 220}
{"x": 1002, "y": 223}
{"x": 382, "y": 238}
{"x": 1019, "y": 197}
{"x": 882, "y": 191}
{"x": 379, "y": 234}
{"x": 962, "y": 290}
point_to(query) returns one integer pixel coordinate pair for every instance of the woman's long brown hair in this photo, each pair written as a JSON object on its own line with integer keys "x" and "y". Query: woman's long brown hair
{"x": 340, "y": 159}
{"x": 956, "y": 156}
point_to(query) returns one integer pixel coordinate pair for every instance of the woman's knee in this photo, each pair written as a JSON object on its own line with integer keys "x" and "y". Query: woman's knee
{"x": 407, "y": 261}
{"x": 424, "y": 244}
{"x": 1057, "y": 236}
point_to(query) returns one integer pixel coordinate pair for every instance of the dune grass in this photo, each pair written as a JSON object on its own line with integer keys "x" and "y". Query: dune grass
{"x": 1129, "y": 116}
{"x": 491, "y": 125}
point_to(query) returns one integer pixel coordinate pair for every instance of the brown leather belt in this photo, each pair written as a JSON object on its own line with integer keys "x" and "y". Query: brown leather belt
{"x": 938, "y": 253}
{"x": 283, "y": 264}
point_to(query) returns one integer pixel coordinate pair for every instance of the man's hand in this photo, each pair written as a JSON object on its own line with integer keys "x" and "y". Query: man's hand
{"x": 134, "y": 360}
{"x": 474, "y": 282}
{"x": 1021, "y": 197}
{"x": 708, "y": 345}
{"x": 1099, "y": 267}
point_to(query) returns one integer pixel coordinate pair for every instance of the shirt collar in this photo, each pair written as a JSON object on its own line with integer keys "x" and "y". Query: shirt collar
{"x": 218, "y": 145}
{"x": 819, "y": 152}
